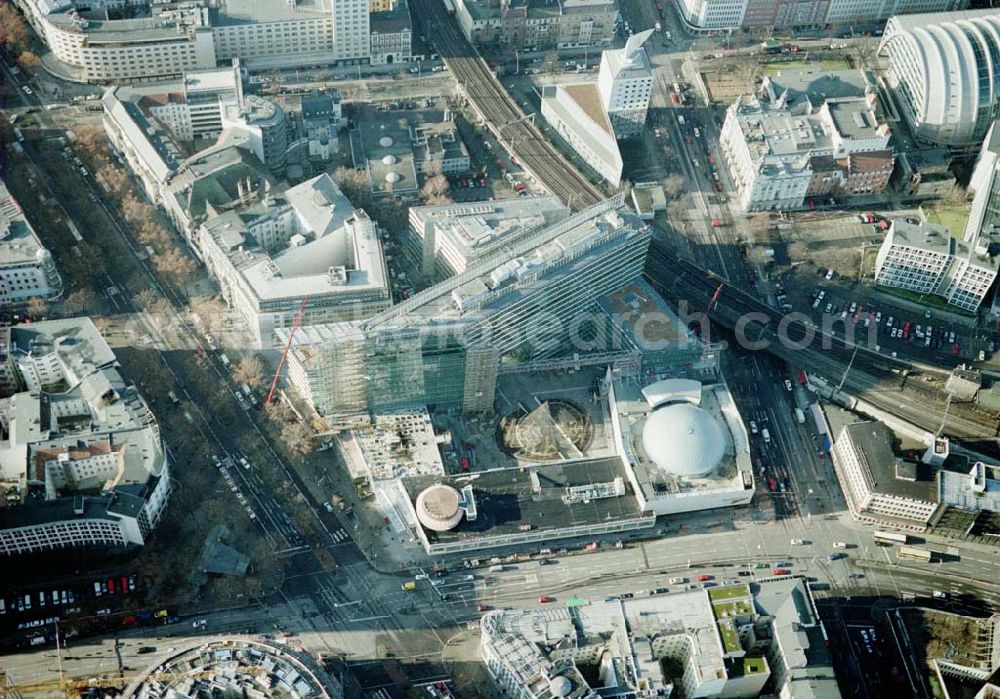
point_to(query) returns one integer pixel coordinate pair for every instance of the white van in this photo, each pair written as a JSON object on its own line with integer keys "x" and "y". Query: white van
{"x": 766, "y": 435}
{"x": 839, "y": 545}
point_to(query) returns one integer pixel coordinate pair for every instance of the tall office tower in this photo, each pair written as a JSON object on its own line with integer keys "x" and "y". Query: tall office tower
{"x": 626, "y": 84}
{"x": 351, "y": 30}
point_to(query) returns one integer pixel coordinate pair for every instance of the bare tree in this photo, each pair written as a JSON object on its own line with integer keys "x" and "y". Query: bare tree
{"x": 13, "y": 29}
{"x": 759, "y": 223}
{"x": 278, "y": 412}
{"x": 132, "y": 208}
{"x": 354, "y": 184}
{"x": 433, "y": 167}
{"x": 674, "y": 186}
{"x": 248, "y": 370}
{"x": 37, "y": 308}
{"x": 210, "y": 312}
{"x": 114, "y": 180}
{"x": 174, "y": 265}
{"x": 435, "y": 186}
{"x": 297, "y": 437}
{"x": 748, "y": 70}
{"x": 438, "y": 200}
{"x": 92, "y": 143}
{"x": 863, "y": 53}
{"x": 28, "y": 60}
{"x": 150, "y": 232}
{"x": 550, "y": 60}
{"x": 957, "y": 194}
{"x": 80, "y": 301}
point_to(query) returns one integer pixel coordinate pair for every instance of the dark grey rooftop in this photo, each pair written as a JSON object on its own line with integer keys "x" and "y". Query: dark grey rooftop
{"x": 873, "y": 442}
{"x": 506, "y": 499}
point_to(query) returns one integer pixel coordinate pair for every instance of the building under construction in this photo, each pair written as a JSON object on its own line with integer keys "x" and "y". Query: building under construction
{"x": 516, "y": 309}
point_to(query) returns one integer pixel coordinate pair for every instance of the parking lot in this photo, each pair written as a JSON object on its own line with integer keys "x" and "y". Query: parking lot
{"x": 892, "y": 329}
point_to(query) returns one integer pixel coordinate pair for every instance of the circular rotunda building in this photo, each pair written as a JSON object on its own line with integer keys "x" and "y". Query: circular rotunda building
{"x": 944, "y": 70}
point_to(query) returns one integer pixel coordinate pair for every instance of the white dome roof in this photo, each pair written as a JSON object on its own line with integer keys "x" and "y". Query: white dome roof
{"x": 385, "y": 141}
{"x": 389, "y": 159}
{"x": 439, "y": 508}
{"x": 684, "y": 440}
{"x": 560, "y": 686}
{"x": 392, "y": 177}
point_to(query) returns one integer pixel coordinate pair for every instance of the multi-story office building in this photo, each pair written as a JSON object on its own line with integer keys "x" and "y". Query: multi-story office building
{"x": 625, "y": 82}
{"x": 723, "y": 642}
{"x": 982, "y": 230}
{"x": 272, "y": 250}
{"x": 391, "y": 34}
{"x": 442, "y": 347}
{"x": 938, "y": 73}
{"x": 926, "y": 259}
{"x": 192, "y": 106}
{"x": 264, "y": 122}
{"x": 82, "y": 463}
{"x": 451, "y": 237}
{"x": 715, "y": 15}
{"x": 198, "y": 35}
{"x": 27, "y": 270}
{"x": 879, "y": 487}
{"x": 536, "y": 25}
{"x": 577, "y": 114}
{"x": 171, "y": 41}
{"x": 780, "y": 153}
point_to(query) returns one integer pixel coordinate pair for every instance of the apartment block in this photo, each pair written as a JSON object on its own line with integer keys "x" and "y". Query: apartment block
{"x": 926, "y": 259}
{"x": 82, "y": 463}
{"x": 27, "y": 270}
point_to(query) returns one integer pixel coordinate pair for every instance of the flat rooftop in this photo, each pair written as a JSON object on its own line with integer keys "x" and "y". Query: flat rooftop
{"x": 232, "y": 12}
{"x": 494, "y": 283}
{"x": 853, "y": 118}
{"x": 589, "y": 99}
{"x": 336, "y": 257}
{"x": 733, "y": 470}
{"x": 385, "y": 150}
{"x": 647, "y": 320}
{"x": 507, "y": 499}
{"x": 816, "y": 84}
{"x": 18, "y": 242}
{"x": 168, "y": 25}
{"x": 889, "y": 474}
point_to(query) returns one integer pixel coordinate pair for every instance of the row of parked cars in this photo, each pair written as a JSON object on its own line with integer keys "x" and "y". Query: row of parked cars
{"x": 24, "y": 602}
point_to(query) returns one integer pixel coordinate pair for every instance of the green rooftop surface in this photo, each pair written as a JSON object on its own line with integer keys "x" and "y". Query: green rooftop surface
{"x": 730, "y": 609}
{"x": 727, "y": 592}
{"x": 753, "y": 665}
{"x": 952, "y": 216}
{"x": 730, "y": 639}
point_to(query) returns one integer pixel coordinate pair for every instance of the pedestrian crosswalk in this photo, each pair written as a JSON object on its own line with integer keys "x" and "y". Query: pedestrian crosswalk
{"x": 339, "y": 536}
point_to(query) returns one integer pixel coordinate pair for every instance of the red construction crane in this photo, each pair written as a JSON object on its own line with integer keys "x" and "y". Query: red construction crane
{"x": 715, "y": 296}
{"x": 284, "y": 354}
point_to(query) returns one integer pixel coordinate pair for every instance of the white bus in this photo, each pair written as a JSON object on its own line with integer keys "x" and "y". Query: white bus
{"x": 914, "y": 553}
{"x": 889, "y": 538}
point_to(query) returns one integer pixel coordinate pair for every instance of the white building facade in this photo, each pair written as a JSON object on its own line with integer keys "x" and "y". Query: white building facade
{"x": 770, "y": 149}
{"x": 625, "y": 83}
{"x": 27, "y": 270}
{"x": 715, "y": 15}
{"x": 943, "y": 71}
{"x": 196, "y": 36}
{"x": 926, "y": 259}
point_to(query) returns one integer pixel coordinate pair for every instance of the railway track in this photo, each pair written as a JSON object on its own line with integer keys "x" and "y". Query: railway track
{"x": 872, "y": 377}
{"x": 885, "y": 383}
{"x": 502, "y": 114}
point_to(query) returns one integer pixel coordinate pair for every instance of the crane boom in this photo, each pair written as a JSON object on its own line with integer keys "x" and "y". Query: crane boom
{"x": 284, "y": 353}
